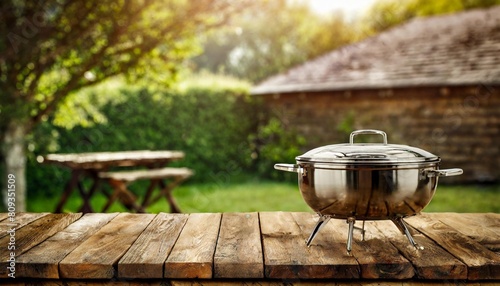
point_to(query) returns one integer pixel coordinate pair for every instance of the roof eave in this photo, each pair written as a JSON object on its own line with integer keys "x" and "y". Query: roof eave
{"x": 325, "y": 87}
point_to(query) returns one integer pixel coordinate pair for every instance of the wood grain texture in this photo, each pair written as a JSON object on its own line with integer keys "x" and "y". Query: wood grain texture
{"x": 226, "y": 282}
{"x": 103, "y": 160}
{"x": 3, "y": 216}
{"x": 18, "y": 221}
{"x": 231, "y": 282}
{"x": 33, "y": 234}
{"x": 239, "y": 248}
{"x": 192, "y": 255}
{"x": 286, "y": 255}
{"x": 42, "y": 261}
{"x": 433, "y": 262}
{"x": 381, "y": 282}
{"x": 92, "y": 282}
{"x": 483, "y": 228}
{"x": 164, "y": 173}
{"x": 97, "y": 256}
{"x": 207, "y": 241}
{"x": 376, "y": 256}
{"x": 253, "y": 282}
{"x": 481, "y": 262}
{"x": 146, "y": 257}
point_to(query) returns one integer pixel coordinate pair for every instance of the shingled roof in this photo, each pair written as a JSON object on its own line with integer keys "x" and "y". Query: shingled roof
{"x": 456, "y": 49}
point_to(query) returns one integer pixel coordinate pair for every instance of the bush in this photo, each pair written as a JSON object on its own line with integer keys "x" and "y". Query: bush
{"x": 224, "y": 132}
{"x": 275, "y": 144}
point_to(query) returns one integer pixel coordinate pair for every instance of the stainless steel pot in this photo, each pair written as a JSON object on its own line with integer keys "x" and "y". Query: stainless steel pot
{"x": 367, "y": 181}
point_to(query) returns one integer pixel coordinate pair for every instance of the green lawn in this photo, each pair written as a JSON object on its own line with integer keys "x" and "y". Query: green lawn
{"x": 255, "y": 195}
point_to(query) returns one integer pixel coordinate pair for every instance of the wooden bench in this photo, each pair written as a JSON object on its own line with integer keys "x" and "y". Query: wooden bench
{"x": 120, "y": 180}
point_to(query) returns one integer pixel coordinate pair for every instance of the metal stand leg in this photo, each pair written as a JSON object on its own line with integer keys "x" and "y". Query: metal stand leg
{"x": 350, "y": 221}
{"x": 399, "y": 222}
{"x": 362, "y": 229}
{"x": 321, "y": 222}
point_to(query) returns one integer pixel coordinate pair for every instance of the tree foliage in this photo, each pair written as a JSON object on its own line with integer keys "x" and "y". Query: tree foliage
{"x": 224, "y": 132}
{"x": 52, "y": 48}
{"x": 385, "y": 14}
{"x": 271, "y": 38}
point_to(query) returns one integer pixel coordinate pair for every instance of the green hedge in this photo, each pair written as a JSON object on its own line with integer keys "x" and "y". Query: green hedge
{"x": 225, "y": 133}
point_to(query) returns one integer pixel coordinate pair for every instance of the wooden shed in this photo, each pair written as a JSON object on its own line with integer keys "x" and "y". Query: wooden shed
{"x": 433, "y": 83}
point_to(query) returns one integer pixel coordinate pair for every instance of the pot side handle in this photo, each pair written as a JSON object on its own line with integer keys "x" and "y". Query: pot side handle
{"x": 445, "y": 172}
{"x": 287, "y": 167}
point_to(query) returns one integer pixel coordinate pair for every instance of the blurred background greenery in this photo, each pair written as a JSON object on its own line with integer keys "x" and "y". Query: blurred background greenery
{"x": 247, "y": 194}
{"x": 231, "y": 142}
{"x": 191, "y": 94}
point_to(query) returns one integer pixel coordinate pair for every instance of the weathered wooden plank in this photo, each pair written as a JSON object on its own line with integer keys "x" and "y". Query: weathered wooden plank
{"x": 298, "y": 226}
{"x": 18, "y": 221}
{"x": 483, "y": 228}
{"x": 286, "y": 255}
{"x": 227, "y": 282}
{"x": 415, "y": 283}
{"x": 146, "y": 256}
{"x": 3, "y": 216}
{"x": 103, "y": 160}
{"x": 163, "y": 173}
{"x": 376, "y": 256}
{"x": 433, "y": 262}
{"x": 31, "y": 235}
{"x": 42, "y": 261}
{"x": 481, "y": 262}
{"x": 97, "y": 256}
{"x": 239, "y": 249}
{"x": 192, "y": 255}
{"x": 88, "y": 282}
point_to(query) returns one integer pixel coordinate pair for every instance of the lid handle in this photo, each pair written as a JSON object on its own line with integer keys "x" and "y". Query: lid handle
{"x": 367, "y": 131}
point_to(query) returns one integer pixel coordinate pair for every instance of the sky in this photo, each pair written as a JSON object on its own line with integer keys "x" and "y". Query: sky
{"x": 351, "y": 8}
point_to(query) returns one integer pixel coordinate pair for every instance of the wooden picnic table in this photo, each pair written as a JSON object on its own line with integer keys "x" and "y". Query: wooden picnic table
{"x": 265, "y": 248}
{"x": 95, "y": 167}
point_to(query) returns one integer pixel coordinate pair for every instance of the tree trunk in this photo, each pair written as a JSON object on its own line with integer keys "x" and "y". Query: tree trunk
{"x": 14, "y": 156}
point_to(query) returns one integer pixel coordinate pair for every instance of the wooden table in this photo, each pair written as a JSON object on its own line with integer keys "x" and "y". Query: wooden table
{"x": 265, "y": 248}
{"x": 90, "y": 165}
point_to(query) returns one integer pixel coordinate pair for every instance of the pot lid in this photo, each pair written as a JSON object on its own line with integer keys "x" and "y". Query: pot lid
{"x": 363, "y": 153}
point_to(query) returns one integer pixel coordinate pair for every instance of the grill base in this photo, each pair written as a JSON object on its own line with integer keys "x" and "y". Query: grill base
{"x": 398, "y": 221}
